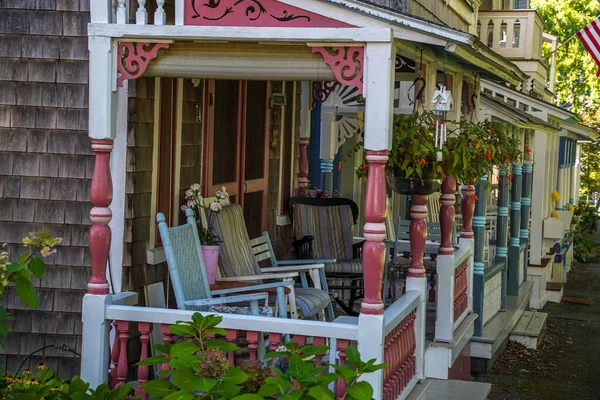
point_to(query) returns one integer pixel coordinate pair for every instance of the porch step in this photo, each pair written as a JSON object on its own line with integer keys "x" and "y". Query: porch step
{"x": 494, "y": 336}
{"x": 554, "y": 291}
{"x": 435, "y": 389}
{"x": 530, "y": 329}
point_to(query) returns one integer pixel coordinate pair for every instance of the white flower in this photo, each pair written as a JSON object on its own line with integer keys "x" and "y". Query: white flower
{"x": 190, "y": 203}
{"x": 196, "y": 187}
{"x": 189, "y": 193}
{"x": 184, "y": 208}
{"x": 216, "y": 207}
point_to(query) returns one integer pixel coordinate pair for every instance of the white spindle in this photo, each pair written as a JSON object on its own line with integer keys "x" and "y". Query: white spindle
{"x": 141, "y": 15}
{"x": 121, "y": 12}
{"x": 160, "y": 18}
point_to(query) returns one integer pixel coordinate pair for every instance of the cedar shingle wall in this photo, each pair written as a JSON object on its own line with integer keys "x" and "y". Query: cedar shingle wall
{"x": 45, "y": 168}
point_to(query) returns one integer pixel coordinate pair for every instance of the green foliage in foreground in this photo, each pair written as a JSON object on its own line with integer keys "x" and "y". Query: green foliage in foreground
{"x": 199, "y": 369}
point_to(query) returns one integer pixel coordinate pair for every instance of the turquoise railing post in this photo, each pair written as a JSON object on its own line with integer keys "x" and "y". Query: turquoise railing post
{"x": 502, "y": 229}
{"x": 515, "y": 232}
{"x": 525, "y": 212}
{"x": 479, "y": 220}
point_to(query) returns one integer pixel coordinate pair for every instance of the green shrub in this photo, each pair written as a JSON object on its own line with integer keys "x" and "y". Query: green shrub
{"x": 199, "y": 369}
{"x": 584, "y": 243}
{"x": 45, "y": 385}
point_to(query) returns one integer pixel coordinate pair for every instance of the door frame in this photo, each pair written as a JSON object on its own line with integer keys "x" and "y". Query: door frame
{"x": 239, "y": 187}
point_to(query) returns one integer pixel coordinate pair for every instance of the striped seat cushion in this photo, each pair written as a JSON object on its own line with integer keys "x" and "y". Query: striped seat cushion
{"x": 311, "y": 301}
{"x": 235, "y": 257}
{"x": 348, "y": 267}
{"x": 331, "y": 227}
{"x": 402, "y": 264}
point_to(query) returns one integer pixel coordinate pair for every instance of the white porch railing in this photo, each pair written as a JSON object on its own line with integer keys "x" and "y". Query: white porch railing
{"x": 512, "y": 33}
{"x": 401, "y": 345}
{"x": 454, "y": 299}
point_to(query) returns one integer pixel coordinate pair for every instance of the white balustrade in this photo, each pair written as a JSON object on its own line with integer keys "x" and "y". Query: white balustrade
{"x": 512, "y": 33}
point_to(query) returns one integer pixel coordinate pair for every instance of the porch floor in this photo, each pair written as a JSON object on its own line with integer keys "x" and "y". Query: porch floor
{"x": 435, "y": 389}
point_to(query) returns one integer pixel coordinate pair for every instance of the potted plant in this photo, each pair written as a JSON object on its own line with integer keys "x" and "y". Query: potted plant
{"x": 472, "y": 149}
{"x": 412, "y": 167}
{"x": 208, "y": 239}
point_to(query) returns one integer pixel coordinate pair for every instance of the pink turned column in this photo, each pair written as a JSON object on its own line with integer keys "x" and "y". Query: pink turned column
{"x": 100, "y": 234}
{"x": 418, "y": 235}
{"x": 467, "y": 208}
{"x": 447, "y": 215}
{"x": 303, "y": 167}
{"x": 374, "y": 232}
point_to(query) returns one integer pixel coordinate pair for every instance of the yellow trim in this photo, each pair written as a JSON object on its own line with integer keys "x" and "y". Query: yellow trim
{"x": 155, "y": 146}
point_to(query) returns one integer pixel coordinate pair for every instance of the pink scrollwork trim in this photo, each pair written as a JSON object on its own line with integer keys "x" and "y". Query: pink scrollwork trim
{"x": 346, "y": 63}
{"x": 133, "y": 58}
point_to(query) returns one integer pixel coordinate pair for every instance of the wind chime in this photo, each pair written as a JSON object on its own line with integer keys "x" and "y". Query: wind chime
{"x": 442, "y": 100}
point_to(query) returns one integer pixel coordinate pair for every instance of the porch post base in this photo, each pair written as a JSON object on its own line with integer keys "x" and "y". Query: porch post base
{"x": 95, "y": 347}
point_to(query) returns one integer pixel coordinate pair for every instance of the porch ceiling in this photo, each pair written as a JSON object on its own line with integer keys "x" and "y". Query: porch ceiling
{"x": 256, "y": 61}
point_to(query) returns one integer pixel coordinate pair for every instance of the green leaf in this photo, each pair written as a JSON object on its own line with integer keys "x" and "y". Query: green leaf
{"x": 353, "y": 357}
{"x": 186, "y": 362}
{"x": 26, "y": 292}
{"x": 38, "y": 267}
{"x": 297, "y": 367}
{"x": 274, "y": 386}
{"x": 15, "y": 267}
{"x": 216, "y": 332}
{"x": 197, "y": 318}
{"x": 218, "y": 344}
{"x": 120, "y": 392}
{"x": 321, "y": 393}
{"x": 248, "y": 396}
{"x": 77, "y": 385}
{"x": 157, "y": 388}
{"x": 345, "y": 371}
{"x": 184, "y": 379}
{"x": 226, "y": 390}
{"x": 179, "y": 395}
{"x": 183, "y": 349}
{"x": 156, "y": 360}
{"x": 235, "y": 376}
{"x": 360, "y": 391}
{"x": 293, "y": 395}
{"x": 163, "y": 348}
{"x": 182, "y": 330}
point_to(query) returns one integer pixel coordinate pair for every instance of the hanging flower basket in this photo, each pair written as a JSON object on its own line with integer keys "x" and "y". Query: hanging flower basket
{"x": 414, "y": 184}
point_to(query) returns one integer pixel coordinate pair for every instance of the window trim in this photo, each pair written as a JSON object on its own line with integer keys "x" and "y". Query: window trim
{"x": 282, "y": 217}
{"x": 155, "y": 254}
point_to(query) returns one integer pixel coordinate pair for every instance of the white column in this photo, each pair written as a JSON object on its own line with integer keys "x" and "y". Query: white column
{"x": 539, "y": 196}
{"x": 101, "y": 11}
{"x": 102, "y": 87}
{"x": 378, "y": 91}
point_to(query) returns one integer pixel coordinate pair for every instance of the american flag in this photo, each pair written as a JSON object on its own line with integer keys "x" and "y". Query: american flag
{"x": 590, "y": 37}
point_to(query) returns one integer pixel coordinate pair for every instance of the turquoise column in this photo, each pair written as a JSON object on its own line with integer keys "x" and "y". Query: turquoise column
{"x": 326, "y": 174}
{"x": 502, "y": 229}
{"x": 481, "y": 192}
{"x": 514, "y": 260}
{"x": 526, "y": 211}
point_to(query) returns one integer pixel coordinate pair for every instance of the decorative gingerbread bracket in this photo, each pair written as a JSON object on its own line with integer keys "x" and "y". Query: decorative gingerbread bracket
{"x": 346, "y": 63}
{"x": 322, "y": 90}
{"x": 133, "y": 58}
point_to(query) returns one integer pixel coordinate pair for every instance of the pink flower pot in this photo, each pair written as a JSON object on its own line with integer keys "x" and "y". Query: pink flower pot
{"x": 211, "y": 261}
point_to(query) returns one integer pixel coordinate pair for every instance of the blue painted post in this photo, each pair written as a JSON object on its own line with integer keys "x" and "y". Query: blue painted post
{"x": 481, "y": 191}
{"x": 514, "y": 259}
{"x": 326, "y": 174}
{"x": 502, "y": 230}
{"x": 526, "y": 211}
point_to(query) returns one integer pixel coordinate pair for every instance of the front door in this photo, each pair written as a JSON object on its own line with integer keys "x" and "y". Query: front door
{"x": 237, "y": 147}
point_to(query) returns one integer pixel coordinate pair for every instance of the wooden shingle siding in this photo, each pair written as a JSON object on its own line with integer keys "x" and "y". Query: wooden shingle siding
{"x": 46, "y": 165}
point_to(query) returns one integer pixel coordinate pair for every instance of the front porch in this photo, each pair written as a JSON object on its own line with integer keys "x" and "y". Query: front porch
{"x": 230, "y": 106}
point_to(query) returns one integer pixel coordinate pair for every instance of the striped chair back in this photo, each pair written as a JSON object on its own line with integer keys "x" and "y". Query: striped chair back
{"x": 185, "y": 260}
{"x": 235, "y": 257}
{"x": 433, "y": 207}
{"x": 331, "y": 227}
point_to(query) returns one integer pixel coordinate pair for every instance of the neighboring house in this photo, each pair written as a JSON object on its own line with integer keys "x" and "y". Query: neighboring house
{"x": 46, "y": 165}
